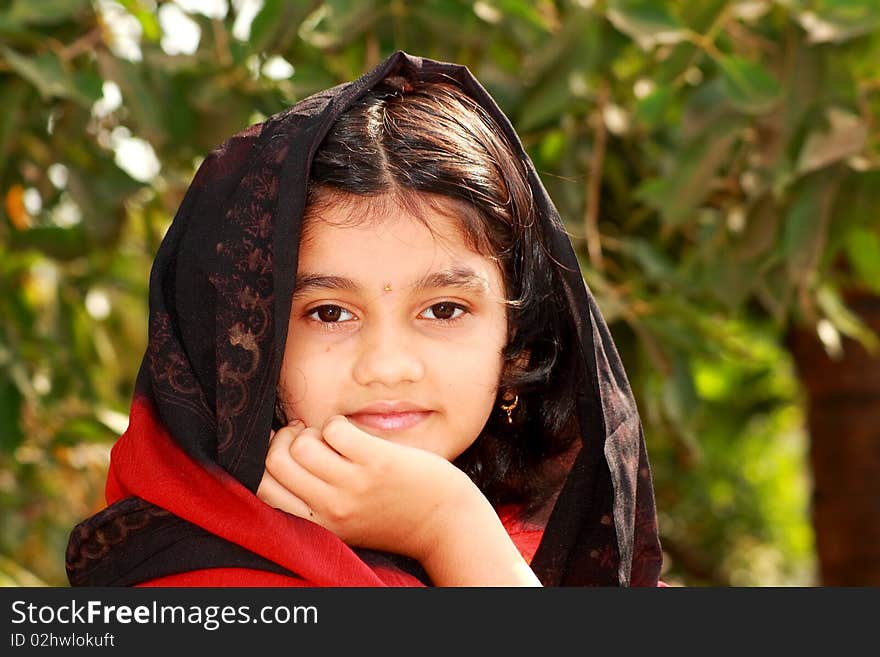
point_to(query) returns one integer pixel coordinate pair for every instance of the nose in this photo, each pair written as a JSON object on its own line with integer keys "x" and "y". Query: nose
{"x": 386, "y": 357}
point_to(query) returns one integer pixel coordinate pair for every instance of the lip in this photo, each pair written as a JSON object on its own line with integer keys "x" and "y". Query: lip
{"x": 390, "y": 416}
{"x": 390, "y": 408}
{"x": 390, "y": 421}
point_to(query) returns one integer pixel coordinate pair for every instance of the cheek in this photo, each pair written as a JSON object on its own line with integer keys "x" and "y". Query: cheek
{"x": 308, "y": 377}
{"x": 471, "y": 381}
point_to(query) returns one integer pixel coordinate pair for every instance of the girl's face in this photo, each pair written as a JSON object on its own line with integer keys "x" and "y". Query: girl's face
{"x": 396, "y": 327}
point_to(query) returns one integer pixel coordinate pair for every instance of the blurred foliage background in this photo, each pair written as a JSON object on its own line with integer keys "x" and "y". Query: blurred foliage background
{"x": 717, "y": 163}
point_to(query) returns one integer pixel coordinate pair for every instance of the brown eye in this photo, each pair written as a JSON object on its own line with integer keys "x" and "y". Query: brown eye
{"x": 329, "y": 314}
{"x": 445, "y": 311}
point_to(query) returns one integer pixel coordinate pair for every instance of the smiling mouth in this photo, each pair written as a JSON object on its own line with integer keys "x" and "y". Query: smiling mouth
{"x": 390, "y": 421}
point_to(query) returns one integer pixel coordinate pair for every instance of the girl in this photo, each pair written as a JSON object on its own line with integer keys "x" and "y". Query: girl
{"x": 373, "y": 361}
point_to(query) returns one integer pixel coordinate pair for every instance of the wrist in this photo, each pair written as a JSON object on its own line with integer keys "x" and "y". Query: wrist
{"x": 458, "y": 499}
{"x": 471, "y": 547}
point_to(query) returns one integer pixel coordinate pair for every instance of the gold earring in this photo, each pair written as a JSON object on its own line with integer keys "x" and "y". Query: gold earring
{"x": 387, "y": 287}
{"x": 508, "y": 408}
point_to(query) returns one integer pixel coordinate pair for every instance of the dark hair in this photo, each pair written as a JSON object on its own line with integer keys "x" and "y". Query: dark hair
{"x": 424, "y": 140}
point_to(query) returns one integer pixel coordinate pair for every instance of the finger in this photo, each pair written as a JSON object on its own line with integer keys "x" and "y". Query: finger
{"x": 295, "y": 424}
{"x": 290, "y": 474}
{"x": 310, "y": 451}
{"x": 283, "y": 438}
{"x": 274, "y": 494}
{"x": 350, "y": 441}
{"x": 280, "y": 441}
{"x": 291, "y": 430}
{"x": 288, "y": 433}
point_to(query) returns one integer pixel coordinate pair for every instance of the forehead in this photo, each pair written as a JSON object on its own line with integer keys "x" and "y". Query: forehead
{"x": 421, "y": 223}
{"x": 376, "y": 237}
{"x": 338, "y": 207}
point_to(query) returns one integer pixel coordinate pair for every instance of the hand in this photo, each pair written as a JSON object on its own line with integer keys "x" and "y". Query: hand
{"x": 368, "y": 491}
{"x": 274, "y": 493}
{"x": 374, "y": 493}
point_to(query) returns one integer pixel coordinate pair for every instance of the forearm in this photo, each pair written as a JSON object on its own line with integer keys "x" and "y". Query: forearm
{"x": 474, "y": 549}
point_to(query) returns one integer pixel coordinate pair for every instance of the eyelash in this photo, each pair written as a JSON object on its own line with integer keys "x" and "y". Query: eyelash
{"x": 337, "y": 325}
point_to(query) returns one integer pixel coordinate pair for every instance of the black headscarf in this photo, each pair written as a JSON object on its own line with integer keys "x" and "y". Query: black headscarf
{"x": 220, "y": 296}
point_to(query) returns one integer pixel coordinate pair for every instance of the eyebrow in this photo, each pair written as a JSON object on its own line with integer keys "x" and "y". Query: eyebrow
{"x": 463, "y": 278}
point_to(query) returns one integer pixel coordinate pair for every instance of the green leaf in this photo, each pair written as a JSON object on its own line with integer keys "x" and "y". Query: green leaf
{"x": 648, "y": 23}
{"x": 43, "y": 12}
{"x": 100, "y": 193}
{"x": 338, "y": 22}
{"x": 676, "y": 195}
{"x": 266, "y": 24}
{"x": 83, "y": 429}
{"x": 653, "y": 262}
{"x": 856, "y": 204}
{"x": 761, "y": 230}
{"x": 806, "y": 227}
{"x": 524, "y": 11}
{"x": 577, "y": 49}
{"x": 729, "y": 282}
{"x": 552, "y": 147}
{"x": 60, "y": 243}
{"x": 844, "y": 136}
{"x": 700, "y": 16}
{"x": 544, "y": 104}
{"x": 18, "y": 307}
{"x": 845, "y": 320}
{"x": 863, "y": 253}
{"x": 651, "y": 110}
{"x": 89, "y": 85}
{"x": 147, "y": 18}
{"x": 276, "y": 28}
{"x": 45, "y": 72}
{"x": 838, "y": 21}
{"x": 679, "y": 393}
{"x": 748, "y": 85}
{"x": 11, "y": 434}
{"x": 141, "y": 99}
{"x": 13, "y": 97}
